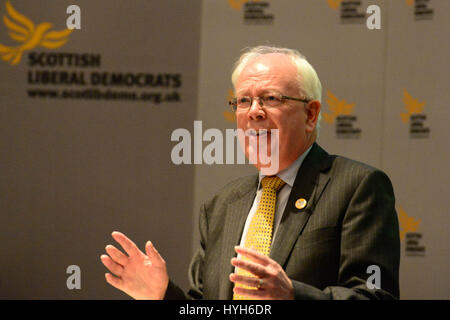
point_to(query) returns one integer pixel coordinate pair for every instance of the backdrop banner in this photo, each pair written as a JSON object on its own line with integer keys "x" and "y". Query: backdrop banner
{"x": 85, "y": 119}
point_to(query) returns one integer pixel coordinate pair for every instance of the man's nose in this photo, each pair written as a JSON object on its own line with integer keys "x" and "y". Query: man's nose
{"x": 256, "y": 111}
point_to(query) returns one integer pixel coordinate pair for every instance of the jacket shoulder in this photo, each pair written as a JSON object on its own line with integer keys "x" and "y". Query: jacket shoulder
{"x": 345, "y": 166}
{"x": 234, "y": 190}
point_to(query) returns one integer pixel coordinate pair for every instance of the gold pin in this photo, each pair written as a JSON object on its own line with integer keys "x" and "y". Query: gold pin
{"x": 300, "y": 203}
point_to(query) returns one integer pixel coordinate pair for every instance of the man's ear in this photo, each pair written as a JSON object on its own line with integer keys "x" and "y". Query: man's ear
{"x": 312, "y": 113}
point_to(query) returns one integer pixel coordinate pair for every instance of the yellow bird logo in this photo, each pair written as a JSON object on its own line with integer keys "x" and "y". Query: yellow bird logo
{"x": 407, "y": 223}
{"x": 409, "y": 2}
{"x": 229, "y": 115}
{"x": 24, "y": 31}
{"x": 337, "y": 107}
{"x": 412, "y": 106}
{"x": 334, "y": 4}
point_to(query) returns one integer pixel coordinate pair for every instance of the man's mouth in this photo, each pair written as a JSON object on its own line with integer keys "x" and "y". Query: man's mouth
{"x": 257, "y": 133}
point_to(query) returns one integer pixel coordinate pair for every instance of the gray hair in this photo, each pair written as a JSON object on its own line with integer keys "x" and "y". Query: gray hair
{"x": 308, "y": 81}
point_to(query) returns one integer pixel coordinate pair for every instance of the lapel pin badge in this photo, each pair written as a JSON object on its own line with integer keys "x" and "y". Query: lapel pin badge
{"x": 300, "y": 203}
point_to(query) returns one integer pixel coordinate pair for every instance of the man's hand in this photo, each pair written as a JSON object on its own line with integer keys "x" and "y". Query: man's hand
{"x": 138, "y": 275}
{"x": 271, "y": 280}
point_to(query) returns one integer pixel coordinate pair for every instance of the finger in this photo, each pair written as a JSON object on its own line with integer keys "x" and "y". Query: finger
{"x": 129, "y": 246}
{"x": 250, "y": 293}
{"x": 252, "y": 267}
{"x": 253, "y": 255}
{"x": 116, "y": 255}
{"x": 114, "y": 281}
{"x": 111, "y": 265}
{"x": 152, "y": 253}
{"x": 244, "y": 280}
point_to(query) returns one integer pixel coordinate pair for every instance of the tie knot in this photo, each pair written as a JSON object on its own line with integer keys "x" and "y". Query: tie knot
{"x": 272, "y": 182}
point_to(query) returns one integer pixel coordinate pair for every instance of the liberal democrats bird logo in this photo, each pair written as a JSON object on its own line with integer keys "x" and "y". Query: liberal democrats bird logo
{"x": 25, "y": 32}
{"x": 407, "y": 223}
{"x": 337, "y": 107}
{"x": 334, "y": 4}
{"x": 412, "y": 106}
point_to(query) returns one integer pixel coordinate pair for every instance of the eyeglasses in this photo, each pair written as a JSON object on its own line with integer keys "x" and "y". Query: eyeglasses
{"x": 270, "y": 100}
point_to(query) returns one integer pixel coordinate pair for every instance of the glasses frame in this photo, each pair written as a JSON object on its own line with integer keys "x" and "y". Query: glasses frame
{"x": 233, "y": 102}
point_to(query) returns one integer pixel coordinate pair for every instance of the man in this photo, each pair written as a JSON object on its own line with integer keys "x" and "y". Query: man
{"x": 314, "y": 236}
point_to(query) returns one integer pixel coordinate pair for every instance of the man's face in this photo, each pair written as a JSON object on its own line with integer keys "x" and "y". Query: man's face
{"x": 275, "y": 73}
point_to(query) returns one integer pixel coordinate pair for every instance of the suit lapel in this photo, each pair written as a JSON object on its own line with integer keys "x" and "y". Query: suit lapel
{"x": 309, "y": 184}
{"x": 236, "y": 215}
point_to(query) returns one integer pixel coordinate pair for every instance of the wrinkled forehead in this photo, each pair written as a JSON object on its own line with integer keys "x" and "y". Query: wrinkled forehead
{"x": 274, "y": 68}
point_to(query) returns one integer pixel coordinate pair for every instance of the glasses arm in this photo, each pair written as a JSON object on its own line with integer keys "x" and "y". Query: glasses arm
{"x": 296, "y": 99}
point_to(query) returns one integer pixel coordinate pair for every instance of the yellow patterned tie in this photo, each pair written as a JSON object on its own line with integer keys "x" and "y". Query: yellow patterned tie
{"x": 259, "y": 235}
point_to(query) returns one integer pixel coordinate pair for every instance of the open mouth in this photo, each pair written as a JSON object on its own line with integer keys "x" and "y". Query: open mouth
{"x": 257, "y": 133}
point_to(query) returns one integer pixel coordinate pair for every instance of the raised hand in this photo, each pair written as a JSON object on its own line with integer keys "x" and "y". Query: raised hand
{"x": 141, "y": 276}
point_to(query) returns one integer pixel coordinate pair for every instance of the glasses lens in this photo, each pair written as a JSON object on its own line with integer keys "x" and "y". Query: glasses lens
{"x": 271, "y": 100}
{"x": 268, "y": 100}
{"x": 243, "y": 102}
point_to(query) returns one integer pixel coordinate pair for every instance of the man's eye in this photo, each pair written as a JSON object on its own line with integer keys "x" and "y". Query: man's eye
{"x": 244, "y": 100}
{"x": 270, "y": 98}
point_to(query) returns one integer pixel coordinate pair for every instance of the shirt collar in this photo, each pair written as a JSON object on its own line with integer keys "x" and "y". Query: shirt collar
{"x": 289, "y": 174}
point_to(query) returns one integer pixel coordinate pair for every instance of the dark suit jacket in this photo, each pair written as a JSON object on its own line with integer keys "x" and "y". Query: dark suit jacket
{"x": 349, "y": 223}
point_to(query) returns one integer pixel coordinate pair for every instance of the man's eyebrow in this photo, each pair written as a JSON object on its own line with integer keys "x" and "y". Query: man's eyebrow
{"x": 261, "y": 91}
